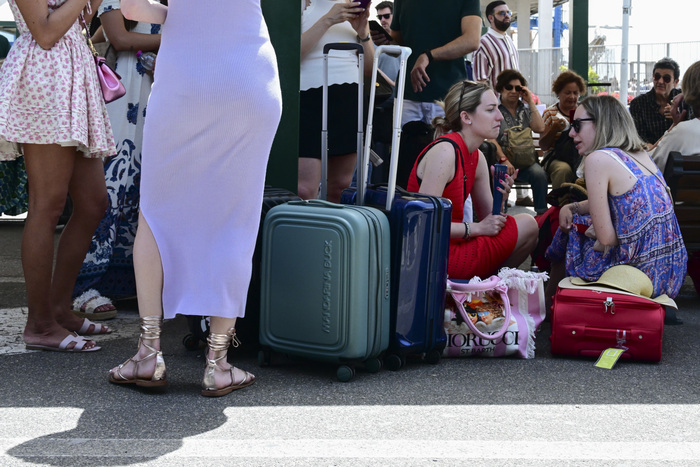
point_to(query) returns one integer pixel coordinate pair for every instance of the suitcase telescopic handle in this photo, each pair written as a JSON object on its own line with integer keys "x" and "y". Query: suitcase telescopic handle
{"x": 343, "y": 46}
{"x": 324, "y": 111}
{"x": 403, "y": 53}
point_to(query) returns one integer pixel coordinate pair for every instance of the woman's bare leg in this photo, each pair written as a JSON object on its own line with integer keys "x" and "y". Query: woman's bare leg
{"x": 89, "y": 194}
{"x": 148, "y": 270}
{"x": 49, "y": 171}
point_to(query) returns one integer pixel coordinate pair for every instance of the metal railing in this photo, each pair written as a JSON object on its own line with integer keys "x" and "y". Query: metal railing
{"x": 541, "y": 66}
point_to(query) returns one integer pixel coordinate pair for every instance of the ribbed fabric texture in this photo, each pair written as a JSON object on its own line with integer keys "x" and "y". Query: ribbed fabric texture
{"x": 496, "y": 53}
{"x": 211, "y": 119}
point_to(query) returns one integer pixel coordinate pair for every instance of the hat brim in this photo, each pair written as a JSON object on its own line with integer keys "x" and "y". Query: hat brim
{"x": 578, "y": 283}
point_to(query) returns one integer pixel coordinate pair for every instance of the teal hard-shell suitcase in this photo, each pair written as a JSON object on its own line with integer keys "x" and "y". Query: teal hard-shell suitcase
{"x": 325, "y": 284}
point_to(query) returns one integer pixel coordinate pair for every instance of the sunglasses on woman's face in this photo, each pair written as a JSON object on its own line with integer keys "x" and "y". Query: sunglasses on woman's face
{"x": 509, "y": 87}
{"x": 576, "y": 123}
{"x": 667, "y": 78}
{"x": 386, "y": 16}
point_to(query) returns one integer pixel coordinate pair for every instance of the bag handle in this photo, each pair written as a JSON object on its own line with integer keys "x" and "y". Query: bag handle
{"x": 461, "y": 290}
{"x": 87, "y": 35}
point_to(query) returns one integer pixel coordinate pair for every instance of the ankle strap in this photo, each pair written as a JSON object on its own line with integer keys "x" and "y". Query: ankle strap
{"x": 150, "y": 327}
{"x": 220, "y": 342}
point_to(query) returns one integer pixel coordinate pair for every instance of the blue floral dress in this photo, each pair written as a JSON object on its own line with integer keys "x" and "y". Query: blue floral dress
{"x": 648, "y": 235}
{"x": 108, "y": 267}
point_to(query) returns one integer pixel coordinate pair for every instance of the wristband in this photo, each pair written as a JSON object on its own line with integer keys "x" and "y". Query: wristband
{"x": 575, "y": 207}
{"x": 503, "y": 160}
{"x": 363, "y": 40}
{"x": 429, "y": 55}
{"x": 467, "y": 230}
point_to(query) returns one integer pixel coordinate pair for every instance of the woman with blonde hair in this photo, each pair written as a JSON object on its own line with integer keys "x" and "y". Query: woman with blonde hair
{"x": 628, "y": 217}
{"x": 453, "y": 167}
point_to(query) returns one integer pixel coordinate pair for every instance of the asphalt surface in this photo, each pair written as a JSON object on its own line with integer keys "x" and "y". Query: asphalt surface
{"x": 58, "y": 409}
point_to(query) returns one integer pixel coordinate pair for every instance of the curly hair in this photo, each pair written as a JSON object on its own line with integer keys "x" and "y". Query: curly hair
{"x": 566, "y": 77}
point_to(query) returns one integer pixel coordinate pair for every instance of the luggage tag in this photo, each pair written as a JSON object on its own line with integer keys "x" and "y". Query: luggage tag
{"x": 610, "y": 356}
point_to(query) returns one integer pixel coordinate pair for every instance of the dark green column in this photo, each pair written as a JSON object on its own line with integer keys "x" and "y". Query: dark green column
{"x": 284, "y": 22}
{"x": 578, "y": 37}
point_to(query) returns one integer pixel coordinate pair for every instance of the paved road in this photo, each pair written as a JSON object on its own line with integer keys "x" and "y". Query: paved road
{"x": 58, "y": 409}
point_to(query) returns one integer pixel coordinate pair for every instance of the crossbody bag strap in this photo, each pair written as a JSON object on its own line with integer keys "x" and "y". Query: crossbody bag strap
{"x": 655, "y": 174}
{"x": 458, "y": 157}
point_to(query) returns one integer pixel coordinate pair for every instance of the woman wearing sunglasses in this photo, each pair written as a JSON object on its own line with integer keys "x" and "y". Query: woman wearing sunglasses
{"x": 453, "y": 167}
{"x": 628, "y": 217}
{"x": 516, "y": 148}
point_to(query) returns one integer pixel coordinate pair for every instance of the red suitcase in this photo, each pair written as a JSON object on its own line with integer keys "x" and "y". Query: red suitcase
{"x": 585, "y": 322}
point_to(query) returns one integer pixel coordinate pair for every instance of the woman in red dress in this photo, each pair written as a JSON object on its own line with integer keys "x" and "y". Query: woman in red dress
{"x": 453, "y": 167}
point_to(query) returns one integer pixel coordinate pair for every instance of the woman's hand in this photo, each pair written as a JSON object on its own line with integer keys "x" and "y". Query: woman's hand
{"x": 341, "y": 12}
{"x": 489, "y": 227}
{"x": 566, "y": 217}
{"x": 360, "y": 22}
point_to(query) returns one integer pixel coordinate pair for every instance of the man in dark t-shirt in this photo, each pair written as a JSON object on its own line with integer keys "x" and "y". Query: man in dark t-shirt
{"x": 440, "y": 33}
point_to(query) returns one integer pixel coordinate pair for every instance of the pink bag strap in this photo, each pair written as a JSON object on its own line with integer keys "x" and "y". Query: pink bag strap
{"x": 460, "y": 291}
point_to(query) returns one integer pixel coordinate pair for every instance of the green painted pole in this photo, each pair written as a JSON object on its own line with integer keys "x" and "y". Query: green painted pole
{"x": 284, "y": 23}
{"x": 578, "y": 37}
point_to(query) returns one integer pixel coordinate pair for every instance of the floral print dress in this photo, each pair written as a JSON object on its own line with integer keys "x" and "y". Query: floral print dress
{"x": 648, "y": 235}
{"x": 108, "y": 267}
{"x": 52, "y": 96}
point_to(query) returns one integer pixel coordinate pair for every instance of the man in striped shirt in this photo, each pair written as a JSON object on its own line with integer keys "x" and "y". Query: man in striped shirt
{"x": 496, "y": 50}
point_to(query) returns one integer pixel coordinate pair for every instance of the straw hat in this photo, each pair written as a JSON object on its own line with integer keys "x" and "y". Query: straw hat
{"x": 624, "y": 279}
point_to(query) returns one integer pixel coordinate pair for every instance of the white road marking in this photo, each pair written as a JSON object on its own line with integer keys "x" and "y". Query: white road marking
{"x": 639, "y": 433}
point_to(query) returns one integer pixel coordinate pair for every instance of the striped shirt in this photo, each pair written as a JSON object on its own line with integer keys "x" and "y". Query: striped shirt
{"x": 496, "y": 53}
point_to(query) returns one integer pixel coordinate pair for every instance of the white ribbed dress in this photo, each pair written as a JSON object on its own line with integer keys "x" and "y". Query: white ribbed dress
{"x": 211, "y": 119}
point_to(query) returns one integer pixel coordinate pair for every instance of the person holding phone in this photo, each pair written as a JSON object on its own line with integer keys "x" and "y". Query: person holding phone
{"x": 453, "y": 167}
{"x": 651, "y": 111}
{"x": 323, "y": 22}
{"x": 682, "y": 136}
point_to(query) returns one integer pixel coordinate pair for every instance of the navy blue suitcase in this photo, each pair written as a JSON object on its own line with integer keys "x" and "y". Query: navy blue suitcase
{"x": 420, "y": 236}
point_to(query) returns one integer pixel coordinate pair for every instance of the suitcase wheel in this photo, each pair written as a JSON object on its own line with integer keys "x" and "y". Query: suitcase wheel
{"x": 394, "y": 362}
{"x": 345, "y": 373}
{"x": 433, "y": 357}
{"x": 373, "y": 365}
{"x": 264, "y": 357}
{"x": 190, "y": 342}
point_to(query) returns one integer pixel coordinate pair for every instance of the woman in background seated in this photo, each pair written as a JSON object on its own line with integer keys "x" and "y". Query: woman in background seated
{"x": 562, "y": 159}
{"x": 628, "y": 207}
{"x": 519, "y": 110}
{"x": 453, "y": 167}
{"x": 685, "y": 137}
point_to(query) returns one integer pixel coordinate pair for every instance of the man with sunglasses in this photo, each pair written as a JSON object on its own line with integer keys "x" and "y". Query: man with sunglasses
{"x": 496, "y": 51}
{"x": 652, "y": 111}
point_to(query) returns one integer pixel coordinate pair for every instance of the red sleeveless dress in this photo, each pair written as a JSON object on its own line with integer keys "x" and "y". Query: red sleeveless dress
{"x": 478, "y": 256}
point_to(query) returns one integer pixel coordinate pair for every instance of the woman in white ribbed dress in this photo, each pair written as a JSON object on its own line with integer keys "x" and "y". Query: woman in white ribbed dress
{"x": 213, "y": 111}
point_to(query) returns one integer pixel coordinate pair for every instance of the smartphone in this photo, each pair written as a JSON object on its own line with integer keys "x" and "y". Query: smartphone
{"x": 363, "y": 3}
{"x": 499, "y": 174}
{"x": 376, "y": 27}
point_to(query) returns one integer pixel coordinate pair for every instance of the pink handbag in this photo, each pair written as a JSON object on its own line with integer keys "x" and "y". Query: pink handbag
{"x": 496, "y": 317}
{"x": 110, "y": 81}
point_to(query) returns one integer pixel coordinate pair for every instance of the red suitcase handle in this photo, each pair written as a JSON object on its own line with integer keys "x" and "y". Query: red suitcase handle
{"x": 460, "y": 291}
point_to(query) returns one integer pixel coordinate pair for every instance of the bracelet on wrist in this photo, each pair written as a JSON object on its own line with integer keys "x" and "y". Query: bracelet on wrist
{"x": 467, "y": 230}
{"x": 363, "y": 40}
{"x": 429, "y": 54}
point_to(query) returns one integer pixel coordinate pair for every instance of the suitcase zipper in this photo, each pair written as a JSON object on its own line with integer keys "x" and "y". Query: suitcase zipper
{"x": 609, "y": 306}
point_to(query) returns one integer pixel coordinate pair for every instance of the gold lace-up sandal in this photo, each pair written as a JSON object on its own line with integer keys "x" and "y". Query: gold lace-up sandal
{"x": 150, "y": 331}
{"x": 218, "y": 345}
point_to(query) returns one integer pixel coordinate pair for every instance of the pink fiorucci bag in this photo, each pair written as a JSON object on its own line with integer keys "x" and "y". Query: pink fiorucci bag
{"x": 496, "y": 317}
